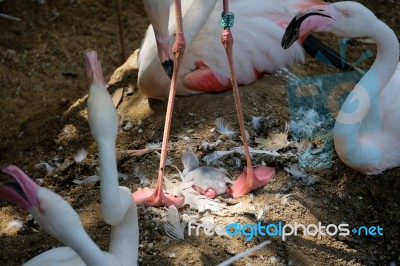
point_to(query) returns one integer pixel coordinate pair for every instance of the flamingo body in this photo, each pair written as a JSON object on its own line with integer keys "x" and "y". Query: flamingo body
{"x": 258, "y": 29}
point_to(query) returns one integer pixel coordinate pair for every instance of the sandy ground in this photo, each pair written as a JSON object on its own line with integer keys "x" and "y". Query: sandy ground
{"x": 43, "y": 119}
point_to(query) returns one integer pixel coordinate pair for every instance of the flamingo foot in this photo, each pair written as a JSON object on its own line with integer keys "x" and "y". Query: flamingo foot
{"x": 242, "y": 186}
{"x": 209, "y": 193}
{"x": 150, "y": 197}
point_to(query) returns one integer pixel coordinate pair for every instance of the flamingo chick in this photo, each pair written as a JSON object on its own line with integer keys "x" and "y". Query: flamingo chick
{"x": 206, "y": 180}
{"x": 60, "y": 220}
{"x": 367, "y": 131}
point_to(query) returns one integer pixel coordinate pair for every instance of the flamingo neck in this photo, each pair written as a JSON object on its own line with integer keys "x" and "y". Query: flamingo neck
{"x": 113, "y": 205}
{"x": 124, "y": 240}
{"x": 386, "y": 61}
{"x": 361, "y": 113}
{"x": 84, "y": 246}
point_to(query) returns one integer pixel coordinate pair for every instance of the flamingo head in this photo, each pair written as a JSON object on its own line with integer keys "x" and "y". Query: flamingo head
{"x": 94, "y": 71}
{"x": 51, "y": 211}
{"x": 347, "y": 19}
{"x": 158, "y": 14}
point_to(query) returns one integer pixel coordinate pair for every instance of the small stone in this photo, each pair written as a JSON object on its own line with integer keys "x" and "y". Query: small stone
{"x": 128, "y": 126}
{"x": 69, "y": 71}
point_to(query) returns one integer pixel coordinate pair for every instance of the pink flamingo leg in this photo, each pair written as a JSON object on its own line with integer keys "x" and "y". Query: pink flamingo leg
{"x": 157, "y": 197}
{"x": 250, "y": 179}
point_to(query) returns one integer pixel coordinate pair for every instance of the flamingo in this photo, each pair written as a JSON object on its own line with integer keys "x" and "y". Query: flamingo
{"x": 259, "y": 26}
{"x": 367, "y": 131}
{"x": 59, "y": 219}
{"x": 118, "y": 208}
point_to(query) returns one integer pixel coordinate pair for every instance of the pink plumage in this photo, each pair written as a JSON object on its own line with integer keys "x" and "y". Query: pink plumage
{"x": 258, "y": 29}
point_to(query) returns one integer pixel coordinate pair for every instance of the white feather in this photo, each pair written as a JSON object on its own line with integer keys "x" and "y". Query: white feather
{"x": 223, "y": 128}
{"x": 87, "y": 180}
{"x": 175, "y": 229}
{"x": 255, "y": 121}
{"x": 80, "y": 155}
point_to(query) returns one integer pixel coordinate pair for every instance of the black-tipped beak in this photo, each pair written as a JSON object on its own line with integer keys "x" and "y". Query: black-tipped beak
{"x": 293, "y": 29}
{"x": 168, "y": 66}
{"x": 23, "y": 191}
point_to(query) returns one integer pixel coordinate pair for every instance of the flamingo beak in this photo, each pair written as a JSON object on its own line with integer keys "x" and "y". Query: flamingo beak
{"x": 168, "y": 66}
{"x": 93, "y": 68}
{"x": 22, "y": 191}
{"x": 316, "y": 18}
{"x": 165, "y": 53}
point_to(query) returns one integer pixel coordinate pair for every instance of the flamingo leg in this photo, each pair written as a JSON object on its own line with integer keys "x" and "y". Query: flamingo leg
{"x": 157, "y": 197}
{"x": 251, "y": 178}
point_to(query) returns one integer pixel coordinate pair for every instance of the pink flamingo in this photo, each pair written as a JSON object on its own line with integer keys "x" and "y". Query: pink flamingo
{"x": 60, "y": 220}
{"x": 259, "y": 27}
{"x": 199, "y": 72}
{"x": 367, "y": 131}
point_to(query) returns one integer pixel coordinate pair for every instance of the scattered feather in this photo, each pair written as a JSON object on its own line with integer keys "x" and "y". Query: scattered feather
{"x": 153, "y": 145}
{"x": 274, "y": 260}
{"x": 257, "y": 151}
{"x": 15, "y": 224}
{"x": 285, "y": 200}
{"x": 87, "y": 180}
{"x": 238, "y": 162}
{"x": 244, "y": 254}
{"x": 171, "y": 255}
{"x": 260, "y": 214}
{"x": 256, "y": 122}
{"x": 295, "y": 171}
{"x": 80, "y": 155}
{"x": 122, "y": 176}
{"x": 205, "y": 145}
{"x": 274, "y": 142}
{"x": 223, "y": 128}
{"x": 307, "y": 122}
{"x": 214, "y": 156}
{"x": 174, "y": 229}
{"x": 144, "y": 180}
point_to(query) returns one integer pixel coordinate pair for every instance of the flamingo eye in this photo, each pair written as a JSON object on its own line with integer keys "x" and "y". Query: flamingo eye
{"x": 346, "y": 14}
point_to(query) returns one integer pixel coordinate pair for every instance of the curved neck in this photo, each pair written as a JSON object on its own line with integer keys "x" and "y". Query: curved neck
{"x": 386, "y": 60}
{"x": 113, "y": 206}
{"x": 124, "y": 241}
{"x": 361, "y": 112}
{"x": 83, "y": 245}
{"x": 364, "y": 95}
